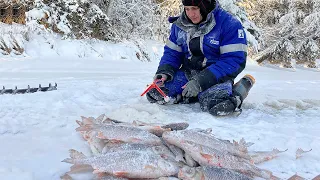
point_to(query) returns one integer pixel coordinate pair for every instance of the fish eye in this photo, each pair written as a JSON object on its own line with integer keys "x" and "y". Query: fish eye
{"x": 189, "y": 171}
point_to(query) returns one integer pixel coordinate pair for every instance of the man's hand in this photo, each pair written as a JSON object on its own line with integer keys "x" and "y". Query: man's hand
{"x": 191, "y": 89}
{"x": 161, "y": 79}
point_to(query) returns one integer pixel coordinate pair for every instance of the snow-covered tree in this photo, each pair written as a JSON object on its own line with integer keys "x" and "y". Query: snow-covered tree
{"x": 290, "y": 31}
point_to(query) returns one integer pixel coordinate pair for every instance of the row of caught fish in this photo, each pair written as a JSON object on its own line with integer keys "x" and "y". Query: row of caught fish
{"x": 141, "y": 150}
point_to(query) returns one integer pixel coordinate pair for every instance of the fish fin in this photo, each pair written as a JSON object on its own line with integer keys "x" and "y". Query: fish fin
{"x": 157, "y": 127}
{"x": 86, "y": 127}
{"x": 80, "y": 168}
{"x": 87, "y": 120}
{"x": 268, "y": 175}
{"x": 242, "y": 145}
{"x": 299, "y": 152}
{"x": 68, "y": 160}
{"x": 140, "y": 123}
{"x": 100, "y": 135}
{"x": 120, "y": 173}
{"x": 134, "y": 123}
{"x": 206, "y": 156}
{"x": 79, "y": 123}
{"x": 83, "y": 118}
{"x": 115, "y": 141}
{"x": 274, "y": 177}
{"x": 242, "y": 142}
{"x": 135, "y": 139}
{"x": 66, "y": 177}
{"x": 97, "y": 171}
{"x": 316, "y": 178}
{"x": 100, "y": 118}
{"x": 235, "y": 143}
{"x": 74, "y": 154}
{"x": 202, "y": 177}
{"x": 248, "y": 144}
{"x": 149, "y": 167}
{"x": 208, "y": 131}
{"x": 101, "y": 175}
{"x": 107, "y": 121}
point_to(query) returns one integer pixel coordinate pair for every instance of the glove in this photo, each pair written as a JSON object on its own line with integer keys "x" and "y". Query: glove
{"x": 191, "y": 89}
{"x": 162, "y": 77}
{"x": 153, "y": 96}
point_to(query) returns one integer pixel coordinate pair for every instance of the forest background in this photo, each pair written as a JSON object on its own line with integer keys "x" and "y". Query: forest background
{"x": 280, "y": 32}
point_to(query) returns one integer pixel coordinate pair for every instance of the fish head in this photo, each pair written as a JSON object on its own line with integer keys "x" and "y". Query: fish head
{"x": 191, "y": 146}
{"x": 161, "y": 150}
{"x": 187, "y": 173}
{"x": 169, "y": 167}
{"x": 172, "y": 137}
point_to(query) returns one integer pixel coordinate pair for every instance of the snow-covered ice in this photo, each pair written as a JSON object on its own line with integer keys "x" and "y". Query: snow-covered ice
{"x": 37, "y": 130}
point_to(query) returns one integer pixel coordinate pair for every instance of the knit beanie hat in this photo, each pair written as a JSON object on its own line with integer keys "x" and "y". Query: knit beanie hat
{"x": 205, "y": 6}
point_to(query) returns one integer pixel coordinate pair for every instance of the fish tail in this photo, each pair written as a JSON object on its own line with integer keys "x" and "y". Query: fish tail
{"x": 243, "y": 145}
{"x": 79, "y": 123}
{"x": 87, "y": 127}
{"x": 274, "y": 177}
{"x": 66, "y": 177}
{"x": 87, "y": 120}
{"x": 267, "y": 175}
{"x": 74, "y": 156}
{"x": 77, "y": 168}
{"x": 68, "y": 160}
{"x": 100, "y": 118}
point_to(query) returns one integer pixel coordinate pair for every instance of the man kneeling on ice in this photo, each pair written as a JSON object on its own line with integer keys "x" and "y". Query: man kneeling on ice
{"x": 206, "y": 50}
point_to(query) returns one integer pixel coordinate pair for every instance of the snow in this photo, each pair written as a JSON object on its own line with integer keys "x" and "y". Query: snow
{"x": 94, "y": 77}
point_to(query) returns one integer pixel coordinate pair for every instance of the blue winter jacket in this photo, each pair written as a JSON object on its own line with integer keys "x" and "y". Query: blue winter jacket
{"x": 222, "y": 42}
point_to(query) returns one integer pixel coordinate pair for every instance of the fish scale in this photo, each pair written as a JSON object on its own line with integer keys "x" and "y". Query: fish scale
{"x": 206, "y": 155}
{"x": 213, "y": 157}
{"x": 162, "y": 150}
{"x": 206, "y": 139}
{"x": 123, "y": 133}
{"x": 222, "y": 174}
{"x": 210, "y": 173}
{"x": 132, "y": 164}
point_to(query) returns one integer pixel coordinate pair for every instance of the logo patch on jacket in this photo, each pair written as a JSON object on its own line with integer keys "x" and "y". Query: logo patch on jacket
{"x": 240, "y": 33}
{"x": 213, "y": 41}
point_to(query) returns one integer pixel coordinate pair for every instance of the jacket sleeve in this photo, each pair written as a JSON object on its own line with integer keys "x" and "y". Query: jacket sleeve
{"x": 233, "y": 54}
{"x": 172, "y": 55}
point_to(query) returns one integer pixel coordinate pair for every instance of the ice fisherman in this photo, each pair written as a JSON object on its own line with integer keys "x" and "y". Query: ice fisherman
{"x": 206, "y": 50}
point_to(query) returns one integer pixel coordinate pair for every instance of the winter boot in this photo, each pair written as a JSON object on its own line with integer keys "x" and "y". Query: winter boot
{"x": 242, "y": 88}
